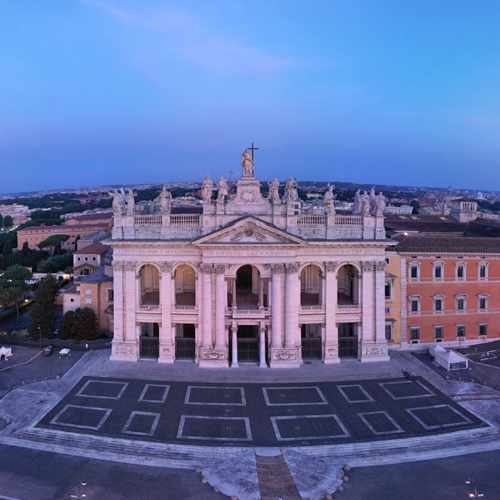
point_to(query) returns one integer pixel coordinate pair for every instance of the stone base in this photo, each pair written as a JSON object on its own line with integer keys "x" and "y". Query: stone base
{"x": 331, "y": 354}
{"x": 167, "y": 354}
{"x": 214, "y": 358}
{"x": 373, "y": 352}
{"x": 124, "y": 352}
{"x": 285, "y": 358}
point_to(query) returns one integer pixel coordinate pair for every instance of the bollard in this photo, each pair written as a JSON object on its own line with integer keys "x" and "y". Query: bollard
{"x": 204, "y": 480}
{"x": 216, "y": 490}
{"x": 346, "y": 479}
{"x": 347, "y": 467}
{"x": 198, "y": 469}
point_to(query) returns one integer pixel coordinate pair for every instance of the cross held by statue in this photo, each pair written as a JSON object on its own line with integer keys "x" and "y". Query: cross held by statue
{"x": 252, "y": 149}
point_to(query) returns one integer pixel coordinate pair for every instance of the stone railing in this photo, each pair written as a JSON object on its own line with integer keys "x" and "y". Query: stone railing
{"x": 152, "y": 307}
{"x": 348, "y": 220}
{"x": 185, "y": 220}
{"x": 311, "y": 220}
{"x": 185, "y": 308}
{"x": 147, "y": 220}
{"x": 312, "y": 308}
{"x": 347, "y": 308}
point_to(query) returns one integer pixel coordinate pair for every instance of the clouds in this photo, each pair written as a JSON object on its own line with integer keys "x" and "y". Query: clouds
{"x": 172, "y": 34}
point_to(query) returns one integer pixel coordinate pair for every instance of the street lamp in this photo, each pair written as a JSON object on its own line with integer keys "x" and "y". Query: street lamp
{"x": 80, "y": 494}
{"x": 40, "y": 336}
{"x": 475, "y": 494}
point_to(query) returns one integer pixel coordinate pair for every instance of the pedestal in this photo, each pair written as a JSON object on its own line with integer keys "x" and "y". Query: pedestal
{"x": 331, "y": 354}
{"x": 285, "y": 358}
{"x": 214, "y": 358}
{"x": 124, "y": 351}
{"x": 167, "y": 353}
{"x": 373, "y": 352}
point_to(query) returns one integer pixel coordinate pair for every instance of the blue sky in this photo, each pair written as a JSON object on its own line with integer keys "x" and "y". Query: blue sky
{"x": 97, "y": 92}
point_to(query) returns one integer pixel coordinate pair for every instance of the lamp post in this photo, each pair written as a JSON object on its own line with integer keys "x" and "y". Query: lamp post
{"x": 80, "y": 494}
{"x": 475, "y": 494}
{"x": 40, "y": 335}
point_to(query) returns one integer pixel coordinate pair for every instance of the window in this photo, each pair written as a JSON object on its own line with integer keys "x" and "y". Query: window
{"x": 88, "y": 292}
{"x": 438, "y": 332}
{"x": 93, "y": 258}
{"x": 482, "y": 301}
{"x": 71, "y": 300}
{"x": 438, "y": 272}
{"x": 461, "y": 302}
{"x": 86, "y": 259}
{"x": 483, "y": 330}
{"x": 110, "y": 294}
{"x": 460, "y": 330}
{"x": 483, "y": 270}
{"x": 414, "y": 271}
{"x": 86, "y": 272}
{"x": 414, "y": 303}
{"x": 387, "y": 290}
{"x": 78, "y": 259}
{"x": 415, "y": 333}
{"x": 88, "y": 301}
{"x": 438, "y": 305}
{"x": 460, "y": 270}
{"x": 388, "y": 332}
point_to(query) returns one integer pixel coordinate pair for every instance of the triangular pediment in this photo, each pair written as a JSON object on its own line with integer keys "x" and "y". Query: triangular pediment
{"x": 249, "y": 231}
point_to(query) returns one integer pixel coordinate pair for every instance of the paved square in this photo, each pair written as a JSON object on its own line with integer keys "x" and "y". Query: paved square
{"x": 215, "y": 428}
{"x": 81, "y": 417}
{"x": 199, "y": 395}
{"x": 102, "y": 389}
{"x": 438, "y": 416}
{"x": 293, "y": 396}
{"x": 241, "y": 414}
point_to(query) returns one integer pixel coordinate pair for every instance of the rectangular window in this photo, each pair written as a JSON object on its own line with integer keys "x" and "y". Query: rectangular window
{"x": 110, "y": 295}
{"x": 414, "y": 333}
{"x": 71, "y": 300}
{"x": 388, "y": 332}
{"x": 483, "y": 329}
{"x": 88, "y": 301}
{"x": 482, "y": 271}
{"x": 482, "y": 303}
{"x": 88, "y": 292}
{"x": 414, "y": 272}
{"x": 438, "y": 332}
{"x": 461, "y": 331}
{"x": 414, "y": 306}
{"x": 460, "y": 304}
{"x": 438, "y": 304}
{"x": 460, "y": 272}
{"x": 437, "y": 272}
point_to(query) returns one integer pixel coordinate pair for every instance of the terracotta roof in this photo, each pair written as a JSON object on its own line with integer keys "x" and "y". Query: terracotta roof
{"x": 484, "y": 227}
{"x": 108, "y": 215}
{"x": 437, "y": 244}
{"x": 94, "y": 249}
{"x": 424, "y": 223}
{"x": 64, "y": 227}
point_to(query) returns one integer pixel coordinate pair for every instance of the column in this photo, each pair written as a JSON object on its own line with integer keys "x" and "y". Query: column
{"x": 234, "y": 338}
{"x": 331, "y": 338}
{"x": 276, "y": 327}
{"x": 261, "y": 291}
{"x": 118, "y": 333}
{"x": 131, "y": 303}
{"x": 262, "y": 345}
{"x": 220, "y": 306}
{"x": 368, "y": 303}
{"x": 167, "y": 340}
{"x": 291, "y": 304}
{"x": 234, "y": 293}
{"x": 380, "y": 302}
{"x": 206, "y": 270}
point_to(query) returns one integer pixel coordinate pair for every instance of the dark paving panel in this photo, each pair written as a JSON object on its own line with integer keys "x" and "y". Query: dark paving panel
{"x": 312, "y": 427}
{"x": 433, "y": 417}
{"x": 215, "y": 396}
{"x": 280, "y": 396}
{"x": 244, "y": 414}
{"x": 102, "y": 389}
{"x": 214, "y": 428}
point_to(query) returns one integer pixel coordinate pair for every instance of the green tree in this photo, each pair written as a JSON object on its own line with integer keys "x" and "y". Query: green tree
{"x": 1, "y": 220}
{"x": 416, "y": 206}
{"x": 56, "y": 263}
{"x": 53, "y": 243}
{"x": 26, "y": 249}
{"x": 76, "y": 242}
{"x": 13, "y": 282}
{"x": 66, "y": 326}
{"x": 7, "y": 248}
{"x": 80, "y": 324}
{"x": 8, "y": 221}
{"x": 43, "y": 310}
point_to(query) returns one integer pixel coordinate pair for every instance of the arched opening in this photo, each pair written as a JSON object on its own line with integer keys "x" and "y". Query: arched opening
{"x": 150, "y": 285}
{"x": 310, "y": 286}
{"x": 248, "y": 289}
{"x": 185, "y": 286}
{"x": 149, "y": 340}
{"x": 347, "y": 286}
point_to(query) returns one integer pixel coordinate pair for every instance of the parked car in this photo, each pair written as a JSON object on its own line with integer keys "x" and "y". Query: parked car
{"x": 48, "y": 350}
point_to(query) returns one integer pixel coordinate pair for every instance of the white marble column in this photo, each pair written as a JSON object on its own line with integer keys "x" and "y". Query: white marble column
{"x": 234, "y": 341}
{"x": 235, "y": 305}
{"x": 220, "y": 306}
{"x": 118, "y": 303}
{"x": 262, "y": 345}
{"x": 380, "y": 302}
{"x": 367, "y": 302}
{"x": 167, "y": 342}
{"x": 131, "y": 304}
{"x": 206, "y": 270}
{"x": 276, "y": 312}
{"x": 331, "y": 338}
{"x": 291, "y": 304}
{"x": 261, "y": 291}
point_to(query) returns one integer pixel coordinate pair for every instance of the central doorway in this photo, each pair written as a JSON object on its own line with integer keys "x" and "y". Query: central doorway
{"x": 311, "y": 341}
{"x": 244, "y": 279}
{"x": 248, "y": 343}
{"x": 149, "y": 341}
{"x": 348, "y": 340}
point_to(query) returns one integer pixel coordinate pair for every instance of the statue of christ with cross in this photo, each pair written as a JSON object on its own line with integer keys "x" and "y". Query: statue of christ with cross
{"x": 247, "y": 162}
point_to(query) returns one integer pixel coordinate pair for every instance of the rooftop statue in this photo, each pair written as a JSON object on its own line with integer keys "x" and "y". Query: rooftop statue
{"x": 291, "y": 190}
{"x": 118, "y": 202}
{"x": 165, "y": 200}
{"x": 247, "y": 163}
{"x": 329, "y": 200}
{"x": 207, "y": 187}
{"x": 130, "y": 202}
{"x": 222, "y": 189}
{"x": 381, "y": 203}
{"x": 357, "y": 203}
{"x": 274, "y": 190}
{"x": 365, "y": 203}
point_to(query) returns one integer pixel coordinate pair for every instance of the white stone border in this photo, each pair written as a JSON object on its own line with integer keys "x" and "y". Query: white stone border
{"x": 352, "y": 401}
{"x": 188, "y": 395}
{"x": 245, "y": 419}
{"x": 398, "y": 430}
{"x": 430, "y": 427}
{"x": 268, "y": 403}
{"x": 106, "y": 411}
{"x": 164, "y": 398}
{"x": 337, "y": 419}
{"x": 125, "y": 385}
{"x": 153, "y": 426}
{"x": 383, "y": 384}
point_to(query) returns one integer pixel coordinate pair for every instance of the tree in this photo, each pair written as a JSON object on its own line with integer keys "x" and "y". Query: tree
{"x": 53, "y": 243}
{"x": 8, "y": 221}
{"x": 1, "y": 220}
{"x": 56, "y": 263}
{"x": 80, "y": 324}
{"x": 416, "y": 206}
{"x": 7, "y": 248}
{"x": 66, "y": 326}
{"x": 13, "y": 282}
{"x": 43, "y": 310}
{"x": 76, "y": 242}
{"x": 26, "y": 249}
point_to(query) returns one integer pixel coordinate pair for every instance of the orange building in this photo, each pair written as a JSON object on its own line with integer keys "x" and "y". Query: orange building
{"x": 106, "y": 218}
{"x": 450, "y": 289}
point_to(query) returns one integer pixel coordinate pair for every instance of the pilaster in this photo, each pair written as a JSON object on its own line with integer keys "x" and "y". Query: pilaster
{"x": 167, "y": 341}
{"x": 331, "y": 334}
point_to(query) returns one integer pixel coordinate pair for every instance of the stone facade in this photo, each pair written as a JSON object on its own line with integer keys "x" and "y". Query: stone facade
{"x": 248, "y": 279}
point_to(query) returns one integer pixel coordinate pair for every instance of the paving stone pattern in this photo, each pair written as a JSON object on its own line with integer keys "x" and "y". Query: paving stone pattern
{"x": 257, "y": 414}
{"x": 275, "y": 479}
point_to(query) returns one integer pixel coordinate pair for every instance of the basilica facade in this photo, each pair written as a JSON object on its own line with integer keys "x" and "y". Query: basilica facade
{"x": 248, "y": 279}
